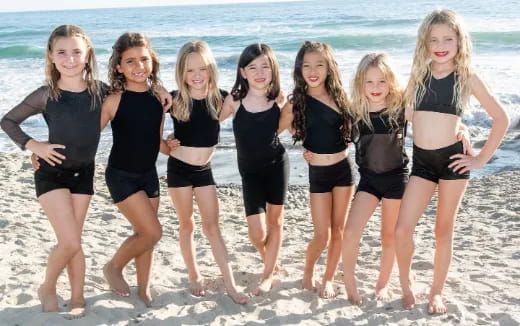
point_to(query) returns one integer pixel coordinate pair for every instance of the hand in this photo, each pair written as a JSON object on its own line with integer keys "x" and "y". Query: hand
{"x": 46, "y": 151}
{"x": 166, "y": 99}
{"x": 172, "y": 142}
{"x": 464, "y": 163}
{"x": 34, "y": 161}
{"x": 307, "y": 155}
{"x": 464, "y": 136}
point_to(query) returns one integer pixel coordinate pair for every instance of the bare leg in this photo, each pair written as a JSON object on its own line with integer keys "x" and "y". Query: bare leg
{"x": 182, "y": 199}
{"x": 341, "y": 198}
{"x": 450, "y": 196}
{"x": 390, "y": 213}
{"x": 416, "y": 197}
{"x": 363, "y": 207}
{"x": 141, "y": 214}
{"x": 208, "y": 206}
{"x": 57, "y": 205}
{"x": 321, "y": 211}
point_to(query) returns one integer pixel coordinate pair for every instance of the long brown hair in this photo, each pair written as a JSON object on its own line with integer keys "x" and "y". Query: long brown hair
{"x": 333, "y": 86}
{"x": 124, "y": 42}
{"x": 52, "y": 75}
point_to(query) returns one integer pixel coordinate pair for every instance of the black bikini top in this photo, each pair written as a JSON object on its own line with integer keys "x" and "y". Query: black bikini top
{"x": 439, "y": 96}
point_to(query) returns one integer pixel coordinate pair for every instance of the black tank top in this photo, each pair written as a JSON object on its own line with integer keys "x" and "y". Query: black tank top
{"x": 323, "y": 125}
{"x": 256, "y": 136}
{"x": 201, "y": 130}
{"x": 439, "y": 96}
{"x": 136, "y": 132}
{"x": 381, "y": 149}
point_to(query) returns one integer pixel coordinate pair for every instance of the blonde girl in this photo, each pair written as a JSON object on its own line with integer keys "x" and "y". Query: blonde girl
{"x": 197, "y": 104}
{"x": 441, "y": 83}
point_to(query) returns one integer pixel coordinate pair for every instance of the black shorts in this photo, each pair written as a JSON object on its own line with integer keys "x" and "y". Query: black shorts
{"x": 264, "y": 184}
{"x": 181, "y": 174}
{"x": 432, "y": 164}
{"x": 388, "y": 185}
{"x": 121, "y": 184}
{"x": 78, "y": 181}
{"x": 323, "y": 178}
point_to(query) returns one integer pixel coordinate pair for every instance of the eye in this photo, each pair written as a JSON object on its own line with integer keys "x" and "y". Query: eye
{"x": 305, "y": 65}
{"x": 203, "y": 69}
{"x": 189, "y": 70}
{"x": 61, "y": 51}
{"x": 382, "y": 81}
{"x": 129, "y": 61}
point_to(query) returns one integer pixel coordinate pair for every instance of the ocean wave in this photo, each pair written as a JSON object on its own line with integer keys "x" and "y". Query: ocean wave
{"x": 22, "y": 51}
{"x": 510, "y": 39}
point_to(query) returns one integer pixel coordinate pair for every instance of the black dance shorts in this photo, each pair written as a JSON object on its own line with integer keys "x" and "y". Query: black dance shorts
{"x": 322, "y": 178}
{"x": 388, "y": 185}
{"x": 78, "y": 181}
{"x": 122, "y": 184}
{"x": 264, "y": 183}
{"x": 181, "y": 174}
{"x": 432, "y": 164}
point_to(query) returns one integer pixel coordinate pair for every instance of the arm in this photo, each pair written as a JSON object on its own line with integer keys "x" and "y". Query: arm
{"x": 286, "y": 117}
{"x": 164, "y": 148}
{"x": 499, "y": 127}
{"x": 165, "y": 98}
{"x": 228, "y": 108}
{"x": 281, "y": 99}
{"x": 109, "y": 108}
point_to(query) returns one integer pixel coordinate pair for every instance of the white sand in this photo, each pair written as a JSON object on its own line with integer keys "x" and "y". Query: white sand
{"x": 483, "y": 285}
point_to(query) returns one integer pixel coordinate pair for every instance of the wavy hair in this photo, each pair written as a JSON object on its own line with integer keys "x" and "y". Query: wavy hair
{"x": 333, "y": 86}
{"x": 421, "y": 73}
{"x": 124, "y": 42}
{"x": 182, "y": 103}
{"x": 394, "y": 99}
{"x": 250, "y": 53}
{"x": 52, "y": 75}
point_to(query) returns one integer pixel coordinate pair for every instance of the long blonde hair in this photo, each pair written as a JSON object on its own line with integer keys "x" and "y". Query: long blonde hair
{"x": 52, "y": 75}
{"x": 394, "y": 99}
{"x": 421, "y": 67}
{"x": 182, "y": 103}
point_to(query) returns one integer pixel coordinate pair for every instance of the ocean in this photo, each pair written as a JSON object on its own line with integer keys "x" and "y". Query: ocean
{"x": 352, "y": 28}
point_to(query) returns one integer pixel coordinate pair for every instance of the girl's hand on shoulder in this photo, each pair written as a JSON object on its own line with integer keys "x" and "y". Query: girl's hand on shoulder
{"x": 307, "y": 155}
{"x": 228, "y": 108}
{"x": 172, "y": 142}
{"x": 46, "y": 151}
{"x": 35, "y": 162}
{"x": 280, "y": 100}
{"x": 165, "y": 98}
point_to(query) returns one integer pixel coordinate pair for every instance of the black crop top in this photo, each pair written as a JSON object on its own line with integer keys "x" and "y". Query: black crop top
{"x": 256, "y": 135}
{"x": 381, "y": 149}
{"x": 136, "y": 132}
{"x": 324, "y": 126}
{"x": 439, "y": 96}
{"x": 71, "y": 119}
{"x": 201, "y": 130}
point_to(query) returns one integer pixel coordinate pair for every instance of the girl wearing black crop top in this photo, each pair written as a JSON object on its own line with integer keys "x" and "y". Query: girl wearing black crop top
{"x": 379, "y": 133}
{"x": 263, "y": 164}
{"x": 319, "y": 115}
{"x": 64, "y": 181}
{"x": 439, "y": 89}
{"x": 136, "y": 117}
{"x": 197, "y": 104}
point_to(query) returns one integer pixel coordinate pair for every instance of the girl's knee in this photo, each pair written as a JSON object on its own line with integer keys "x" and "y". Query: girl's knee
{"x": 388, "y": 238}
{"x": 258, "y": 238}
{"x": 336, "y": 233}
{"x": 186, "y": 225}
{"x": 211, "y": 230}
{"x": 71, "y": 246}
{"x": 322, "y": 240}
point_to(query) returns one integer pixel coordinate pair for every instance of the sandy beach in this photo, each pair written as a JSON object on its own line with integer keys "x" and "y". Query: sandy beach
{"x": 483, "y": 285}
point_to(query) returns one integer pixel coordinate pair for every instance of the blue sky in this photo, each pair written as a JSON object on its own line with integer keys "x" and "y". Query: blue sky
{"x": 38, "y": 5}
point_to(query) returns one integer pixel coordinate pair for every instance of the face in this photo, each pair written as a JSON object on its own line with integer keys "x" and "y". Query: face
{"x": 314, "y": 69}
{"x": 197, "y": 72}
{"x": 69, "y": 55}
{"x": 376, "y": 88}
{"x": 136, "y": 65}
{"x": 442, "y": 43}
{"x": 258, "y": 73}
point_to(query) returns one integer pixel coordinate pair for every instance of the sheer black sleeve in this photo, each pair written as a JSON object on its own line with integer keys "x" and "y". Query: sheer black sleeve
{"x": 33, "y": 104}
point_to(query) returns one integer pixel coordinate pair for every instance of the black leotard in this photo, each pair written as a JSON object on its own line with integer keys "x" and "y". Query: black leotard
{"x": 381, "y": 149}
{"x": 323, "y": 128}
{"x": 439, "y": 96}
{"x": 136, "y": 132}
{"x": 71, "y": 119}
{"x": 201, "y": 130}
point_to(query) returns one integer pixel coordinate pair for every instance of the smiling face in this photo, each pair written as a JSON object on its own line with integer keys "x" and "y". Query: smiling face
{"x": 442, "y": 43}
{"x": 197, "y": 75}
{"x": 136, "y": 65}
{"x": 69, "y": 55}
{"x": 258, "y": 73}
{"x": 314, "y": 69}
{"x": 375, "y": 87}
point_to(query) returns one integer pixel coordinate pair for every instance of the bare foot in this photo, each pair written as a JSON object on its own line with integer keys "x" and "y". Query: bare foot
{"x": 308, "y": 282}
{"x": 48, "y": 299}
{"x": 354, "y": 298}
{"x": 145, "y": 296}
{"x": 197, "y": 287}
{"x": 115, "y": 281}
{"x": 383, "y": 294}
{"x": 351, "y": 288}
{"x": 263, "y": 287}
{"x": 436, "y": 305}
{"x": 408, "y": 299}
{"x": 238, "y": 297}
{"x": 327, "y": 290}
{"x": 77, "y": 310}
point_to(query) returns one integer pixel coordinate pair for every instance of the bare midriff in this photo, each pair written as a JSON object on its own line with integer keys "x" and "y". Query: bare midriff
{"x": 327, "y": 159}
{"x": 433, "y": 130}
{"x": 193, "y": 155}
